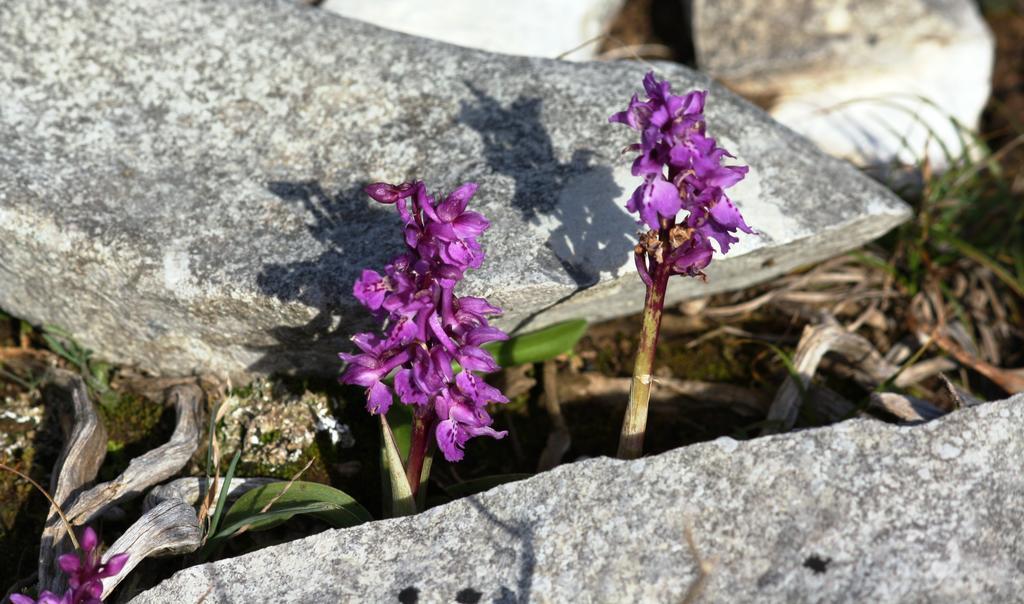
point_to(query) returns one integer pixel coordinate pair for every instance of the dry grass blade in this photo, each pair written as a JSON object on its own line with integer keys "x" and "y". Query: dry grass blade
{"x": 957, "y": 396}
{"x": 151, "y": 468}
{"x": 559, "y": 440}
{"x": 869, "y": 366}
{"x": 170, "y": 528}
{"x": 214, "y": 491}
{"x": 923, "y": 370}
{"x": 53, "y": 504}
{"x": 704, "y": 568}
{"x": 275, "y": 499}
{"x": 85, "y": 447}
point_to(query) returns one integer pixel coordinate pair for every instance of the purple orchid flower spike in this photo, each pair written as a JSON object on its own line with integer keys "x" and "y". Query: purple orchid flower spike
{"x": 682, "y": 202}
{"x": 85, "y": 574}
{"x": 427, "y": 327}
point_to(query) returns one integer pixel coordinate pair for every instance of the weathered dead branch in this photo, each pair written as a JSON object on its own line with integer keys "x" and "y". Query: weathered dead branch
{"x": 85, "y": 446}
{"x": 905, "y": 407}
{"x": 151, "y": 468}
{"x": 170, "y": 528}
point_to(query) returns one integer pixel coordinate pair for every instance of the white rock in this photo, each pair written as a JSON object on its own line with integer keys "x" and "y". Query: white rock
{"x": 873, "y": 81}
{"x": 534, "y": 28}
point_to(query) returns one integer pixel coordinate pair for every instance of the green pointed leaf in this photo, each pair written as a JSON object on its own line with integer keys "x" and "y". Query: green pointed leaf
{"x": 402, "y": 503}
{"x": 273, "y": 517}
{"x": 479, "y": 485}
{"x": 400, "y": 419}
{"x": 335, "y": 507}
{"x": 222, "y": 497}
{"x": 538, "y": 346}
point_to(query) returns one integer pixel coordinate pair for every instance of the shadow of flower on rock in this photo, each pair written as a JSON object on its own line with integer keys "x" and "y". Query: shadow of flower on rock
{"x": 576, "y": 203}
{"x": 346, "y": 225}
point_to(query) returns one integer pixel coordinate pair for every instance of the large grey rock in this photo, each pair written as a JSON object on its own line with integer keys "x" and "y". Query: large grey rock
{"x": 873, "y": 81}
{"x": 180, "y": 181}
{"x": 533, "y": 28}
{"x": 858, "y": 512}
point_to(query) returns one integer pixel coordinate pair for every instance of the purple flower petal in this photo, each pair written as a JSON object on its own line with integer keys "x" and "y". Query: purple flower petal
{"x": 69, "y": 563}
{"x": 383, "y": 192}
{"x": 456, "y": 202}
{"x": 89, "y": 540}
{"x": 370, "y": 289}
{"x": 378, "y": 399}
{"x": 114, "y": 565}
{"x": 451, "y": 438}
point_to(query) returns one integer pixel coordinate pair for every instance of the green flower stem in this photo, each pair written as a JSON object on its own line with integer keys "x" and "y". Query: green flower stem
{"x": 631, "y": 441}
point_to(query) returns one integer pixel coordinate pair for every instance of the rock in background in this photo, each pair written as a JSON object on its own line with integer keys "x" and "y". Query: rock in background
{"x": 872, "y": 81}
{"x": 180, "y": 183}
{"x": 860, "y": 511}
{"x": 533, "y": 28}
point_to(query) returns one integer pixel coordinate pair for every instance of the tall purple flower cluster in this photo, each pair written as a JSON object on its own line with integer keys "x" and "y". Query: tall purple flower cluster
{"x": 85, "y": 574}
{"x": 427, "y": 327}
{"x": 682, "y": 170}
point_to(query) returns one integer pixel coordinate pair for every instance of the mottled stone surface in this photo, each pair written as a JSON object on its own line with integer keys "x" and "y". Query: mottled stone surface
{"x": 869, "y": 80}
{"x": 532, "y": 28}
{"x": 180, "y": 182}
{"x": 276, "y": 429}
{"x": 858, "y": 512}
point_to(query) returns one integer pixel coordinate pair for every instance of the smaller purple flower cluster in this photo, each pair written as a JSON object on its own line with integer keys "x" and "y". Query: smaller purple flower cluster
{"x": 427, "y": 326}
{"x": 681, "y": 167}
{"x": 85, "y": 574}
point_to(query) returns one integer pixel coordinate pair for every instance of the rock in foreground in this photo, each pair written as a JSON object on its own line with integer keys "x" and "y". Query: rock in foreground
{"x": 180, "y": 183}
{"x": 858, "y": 512}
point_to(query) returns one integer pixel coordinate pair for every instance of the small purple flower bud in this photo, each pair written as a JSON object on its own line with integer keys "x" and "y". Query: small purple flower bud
{"x": 384, "y": 192}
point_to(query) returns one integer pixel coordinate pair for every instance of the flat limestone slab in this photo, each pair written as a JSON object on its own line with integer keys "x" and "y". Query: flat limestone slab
{"x": 857, "y": 512}
{"x": 180, "y": 181}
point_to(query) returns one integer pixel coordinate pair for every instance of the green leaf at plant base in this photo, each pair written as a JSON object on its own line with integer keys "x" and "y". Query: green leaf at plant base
{"x": 538, "y": 346}
{"x": 397, "y": 485}
{"x": 222, "y": 499}
{"x": 335, "y": 507}
{"x": 479, "y": 485}
{"x": 400, "y": 419}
